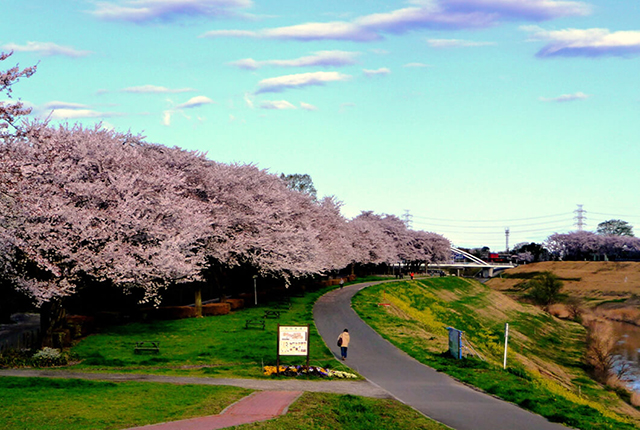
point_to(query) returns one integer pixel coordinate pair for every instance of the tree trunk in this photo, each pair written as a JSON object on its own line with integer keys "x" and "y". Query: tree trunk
{"x": 198, "y": 301}
{"x": 52, "y": 316}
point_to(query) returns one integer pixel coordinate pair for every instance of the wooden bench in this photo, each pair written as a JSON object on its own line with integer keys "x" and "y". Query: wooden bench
{"x": 254, "y": 323}
{"x": 147, "y": 346}
{"x": 284, "y": 306}
{"x": 271, "y": 314}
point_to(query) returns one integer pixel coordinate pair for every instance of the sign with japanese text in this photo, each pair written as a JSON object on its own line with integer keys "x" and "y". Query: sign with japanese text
{"x": 293, "y": 340}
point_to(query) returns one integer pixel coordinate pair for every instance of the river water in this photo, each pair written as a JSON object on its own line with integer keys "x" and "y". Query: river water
{"x": 628, "y": 353}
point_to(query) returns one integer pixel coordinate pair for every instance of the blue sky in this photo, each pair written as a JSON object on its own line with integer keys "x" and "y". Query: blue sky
{"x": 473, "y": 115}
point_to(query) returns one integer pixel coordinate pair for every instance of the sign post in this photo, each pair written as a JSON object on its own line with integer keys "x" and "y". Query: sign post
{"x": 506, "y": 341}
{"x": 455, "y": 342}
{"x": 255, "y": 289}
{"x": 293, "y": 340}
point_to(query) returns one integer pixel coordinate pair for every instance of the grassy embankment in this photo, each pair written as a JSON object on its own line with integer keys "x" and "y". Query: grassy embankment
{"x": 545, "y": 371}
{"x": 213, "y": 346}
{"x": 606, "y": 289}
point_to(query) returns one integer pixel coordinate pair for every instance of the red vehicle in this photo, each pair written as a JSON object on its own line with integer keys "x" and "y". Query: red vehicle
{"x": 494, "y": 257}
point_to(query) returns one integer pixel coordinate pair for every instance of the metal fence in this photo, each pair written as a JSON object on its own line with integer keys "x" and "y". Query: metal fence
{"x": 21, "y": 340}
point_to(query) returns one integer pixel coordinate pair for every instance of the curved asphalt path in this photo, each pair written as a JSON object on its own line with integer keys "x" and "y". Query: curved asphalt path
{"x": 434, "y": 394}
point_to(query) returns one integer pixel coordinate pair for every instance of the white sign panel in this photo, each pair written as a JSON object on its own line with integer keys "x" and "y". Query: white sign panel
{"x": 293, "y": 340}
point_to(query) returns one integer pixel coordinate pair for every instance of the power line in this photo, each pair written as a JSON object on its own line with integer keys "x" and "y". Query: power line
{"x": 494, "y": 220}
{"x": 488, "y": 226}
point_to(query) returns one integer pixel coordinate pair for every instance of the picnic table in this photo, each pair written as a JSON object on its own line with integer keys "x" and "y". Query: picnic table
{"x": 254, "y": 323}
{"x": 147, "y": 346}
{"x": 271, "y": 314}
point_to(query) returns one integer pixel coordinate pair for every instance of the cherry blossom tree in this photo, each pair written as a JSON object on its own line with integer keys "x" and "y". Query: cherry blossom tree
{"x": 11, "y": 112}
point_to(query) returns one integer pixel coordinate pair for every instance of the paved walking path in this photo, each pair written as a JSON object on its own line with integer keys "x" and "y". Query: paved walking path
{"x": 434, "y": 394}
{"x": 356, "y": 388}
{"x": 258, "y": 406}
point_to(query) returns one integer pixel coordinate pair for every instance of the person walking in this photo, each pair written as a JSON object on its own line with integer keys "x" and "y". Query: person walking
{"x": 343, "y": 343}
{"x": 341, "y": 282}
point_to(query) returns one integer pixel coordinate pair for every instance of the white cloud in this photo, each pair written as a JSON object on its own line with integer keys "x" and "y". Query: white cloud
{"x": 46, "y": 48}
{"x": 139, "y": 11}
{"x": 320, "y": 58}
{"x": 429, "y": 14}
{"x": 593, "y": 42}
{"x": 166, "y": 117}
{"x": 276, "y": 105}
{"x": 456, "y": 43}
{"x": 194, "y": 102}
{"x": 80, "y": 113}
{"x": 63, "y": 105}
{"x": 307, "y": 106}
{"x": 154, "y": 89}
{"x": 566, "y": 98}
{"x": 381, "y": 71}
{"x": 281, "y": 83}
{"x": 248, "y": 100}
{"x": 418, "y": 65}
{"x": 344, "y": 106}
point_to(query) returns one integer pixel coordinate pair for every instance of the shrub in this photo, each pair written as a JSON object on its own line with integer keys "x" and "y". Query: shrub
{"x": 216, "y": 309}
{"x": 174, "y": 312}
{"x": 48, "y": 357}
{"x": 544, "y": 289}
{"x": 235, "y": 303}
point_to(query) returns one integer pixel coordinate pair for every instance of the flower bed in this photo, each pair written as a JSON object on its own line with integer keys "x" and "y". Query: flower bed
{"x": 313, "y": 370}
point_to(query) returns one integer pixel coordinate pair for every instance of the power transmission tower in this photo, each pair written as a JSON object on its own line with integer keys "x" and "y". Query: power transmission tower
{"x": 580, "y": 218}
{"x": 506, "y": 234}
{"x": 406, "y": 217}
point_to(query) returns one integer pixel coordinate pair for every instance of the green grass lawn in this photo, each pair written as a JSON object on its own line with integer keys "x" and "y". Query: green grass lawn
{"x": 64, "y": 404}
{"x": 320, "y": 411}
{"x": 210, "y": 346}
{"x": 416, "y": 322}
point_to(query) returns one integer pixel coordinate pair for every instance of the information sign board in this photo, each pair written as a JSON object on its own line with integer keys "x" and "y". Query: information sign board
{"x": 293, "y": 340}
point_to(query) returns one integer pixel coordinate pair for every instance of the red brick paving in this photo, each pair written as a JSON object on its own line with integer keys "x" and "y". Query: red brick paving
{"x": 259, "y": 406}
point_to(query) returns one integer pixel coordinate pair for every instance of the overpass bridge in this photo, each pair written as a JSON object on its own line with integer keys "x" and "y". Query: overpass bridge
{"x": 461, "y": 260}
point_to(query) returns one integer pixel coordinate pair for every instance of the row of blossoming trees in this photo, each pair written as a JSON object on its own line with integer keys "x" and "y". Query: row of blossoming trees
{"x": 586, "y": 245}
{"x": 91, "y": 205}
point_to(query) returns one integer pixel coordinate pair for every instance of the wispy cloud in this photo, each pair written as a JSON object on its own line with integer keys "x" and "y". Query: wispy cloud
{"x": 320, "y": 58}
{"x": 280, "y": 83}
{"x": 141, "y": 11}
{"x": 194, "y": 102}
{"x": 418, "y": 65}
{"x": 381, "y": 71}
{"x": 566, "y": 98}
{"x": 46, "y": 48}
{"x": 307, "y": 106}
{"x": 344, "y": 106}
{"x": 456, "y": 43}
{"x": 593, "y": 42}
{"x": 276, "y": 105}
{"x": 154, "y": 89}
{"x": 63, "y": 105}
{"x": 428, "y": 14}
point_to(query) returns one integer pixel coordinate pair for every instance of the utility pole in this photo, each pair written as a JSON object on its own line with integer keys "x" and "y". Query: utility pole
{"x": 506, "y": 234}
{"x": 580, "y": 218}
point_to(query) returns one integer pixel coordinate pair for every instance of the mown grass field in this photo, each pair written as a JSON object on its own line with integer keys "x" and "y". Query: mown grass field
{"x": 545, "y": 371}
{"x": 216, "y": 346}
{"x": 59, "y": 404}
